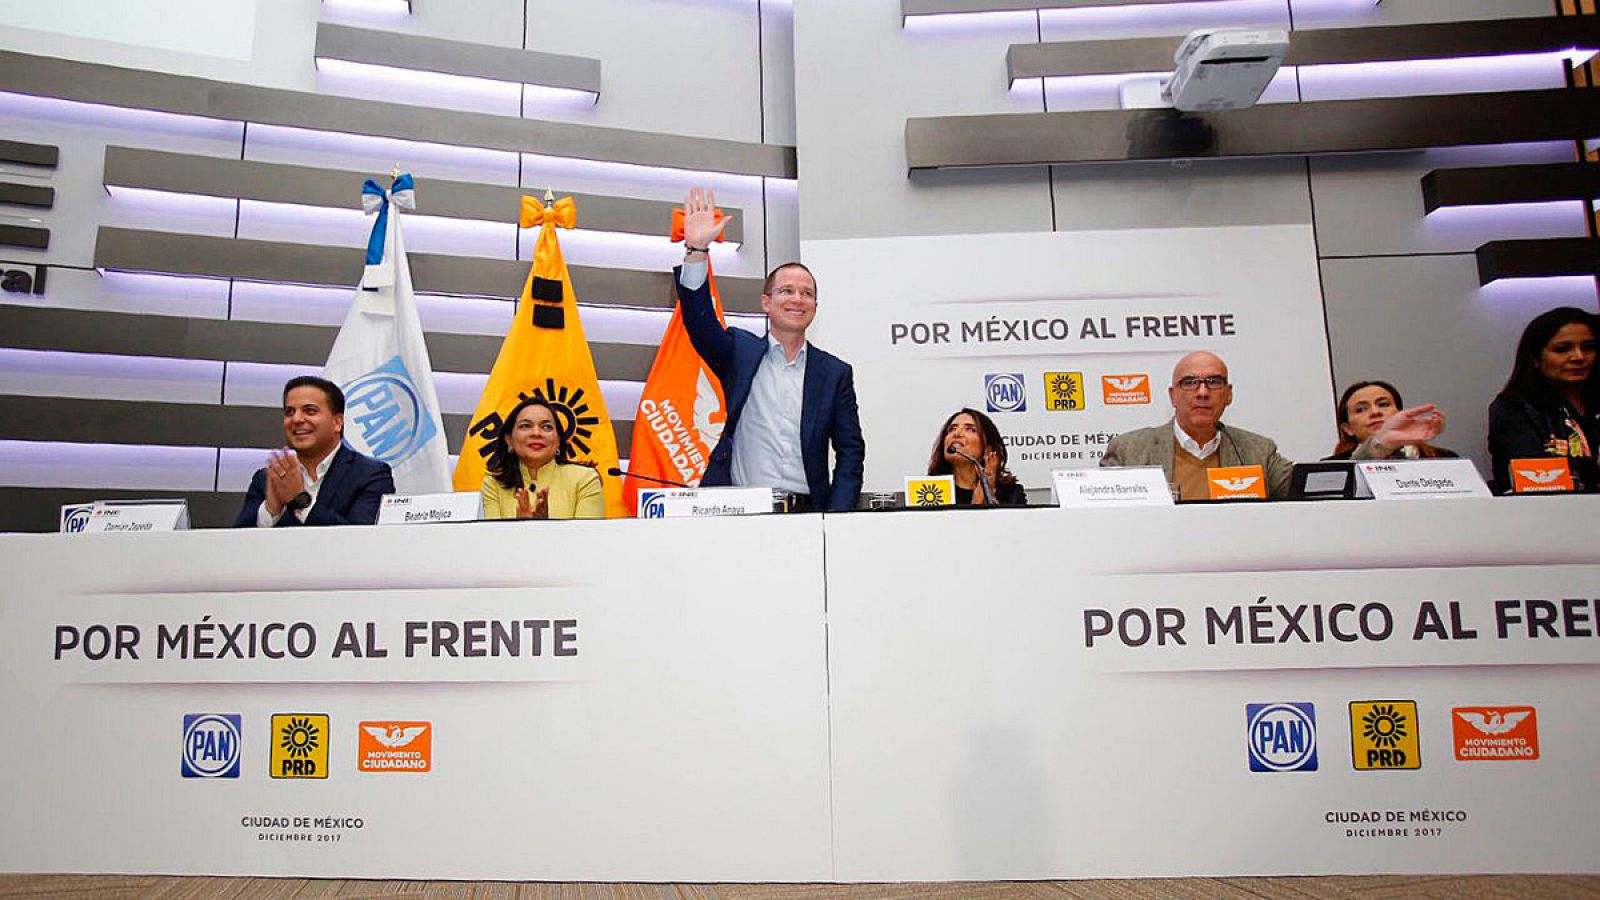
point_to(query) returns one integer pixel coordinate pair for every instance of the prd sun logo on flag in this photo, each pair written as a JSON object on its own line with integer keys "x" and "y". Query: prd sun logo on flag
{"x": 928, "y": 495}
{"x": 572, "y": 415}
{"x": 299, "y": 746}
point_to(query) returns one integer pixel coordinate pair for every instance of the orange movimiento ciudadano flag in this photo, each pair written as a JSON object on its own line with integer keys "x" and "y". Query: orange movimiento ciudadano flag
{"x": 545, "y": 354}
{"x": 682, "y": 409}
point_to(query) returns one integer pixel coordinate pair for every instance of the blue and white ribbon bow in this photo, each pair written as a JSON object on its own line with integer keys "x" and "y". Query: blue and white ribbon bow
{"x": 375, "y": 199}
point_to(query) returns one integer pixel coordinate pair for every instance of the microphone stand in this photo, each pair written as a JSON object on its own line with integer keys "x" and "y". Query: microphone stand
{"x": 983, "y": 477}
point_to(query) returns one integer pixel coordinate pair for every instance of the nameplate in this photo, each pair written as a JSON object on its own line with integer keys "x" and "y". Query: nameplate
{"x": 118, "y": 516}
{"x": 933, "y": 490}
{"x": 1125, "y": 486}
{"x": 1550, "y": 475}
{"x": 682, "y": 503}
{"x": 1237, "y": 483}
{"x": 1423, "y": 478}
{"x": 416, "y": 509}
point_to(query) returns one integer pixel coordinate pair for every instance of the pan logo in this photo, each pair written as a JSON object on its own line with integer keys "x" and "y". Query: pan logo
{"x": 1005, "y": 392}
{"x": 385, "y": 415}
{"x": 1282, "y": 737}
{"x": 652, "y": 505}
{"x": 211, "y": 745}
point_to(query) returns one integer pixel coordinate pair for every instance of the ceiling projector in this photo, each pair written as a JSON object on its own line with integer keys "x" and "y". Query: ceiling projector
{"x": 1224, "y": 68}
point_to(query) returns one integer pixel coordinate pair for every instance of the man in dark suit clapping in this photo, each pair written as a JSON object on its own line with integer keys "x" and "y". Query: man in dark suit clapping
{"x": 787, "y": 400}
{"x": 315, "y": 480}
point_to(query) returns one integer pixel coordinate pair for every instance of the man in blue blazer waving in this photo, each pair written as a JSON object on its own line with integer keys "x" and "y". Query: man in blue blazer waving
{"x": 787, "y": 400}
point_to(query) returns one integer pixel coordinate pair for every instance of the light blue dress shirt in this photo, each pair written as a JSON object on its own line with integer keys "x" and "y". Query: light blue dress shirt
{"x": 766, "y": 443}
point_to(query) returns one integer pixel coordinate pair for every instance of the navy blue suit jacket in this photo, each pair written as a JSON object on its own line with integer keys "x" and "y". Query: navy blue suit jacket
{"x": 827, "y": 406}
{"x": 350, "y": 494}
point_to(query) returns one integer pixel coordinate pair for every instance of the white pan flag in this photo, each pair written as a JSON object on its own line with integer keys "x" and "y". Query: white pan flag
{"x": 381, "y": 362}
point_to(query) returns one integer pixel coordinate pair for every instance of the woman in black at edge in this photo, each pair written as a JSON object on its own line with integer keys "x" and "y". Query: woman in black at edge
{"x": 1551, "y": 402}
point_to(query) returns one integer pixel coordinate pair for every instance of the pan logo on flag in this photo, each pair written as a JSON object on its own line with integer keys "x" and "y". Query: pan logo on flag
{"x": 1383, "y": 735}
{"x": 1005, "y": 392}
{"x": 385, "y": 414}
{"x": 1282, "y": 737}
{"x": 652, "y": 505}
{"x": 1063, "y": 391}
{"x": 211, "y": 745}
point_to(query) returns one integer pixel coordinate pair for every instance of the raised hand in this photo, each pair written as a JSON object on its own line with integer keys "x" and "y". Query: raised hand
{"x": 700, "y": 224}
{"x": 541, "y": 504}
{"x": 1416, "y": 425}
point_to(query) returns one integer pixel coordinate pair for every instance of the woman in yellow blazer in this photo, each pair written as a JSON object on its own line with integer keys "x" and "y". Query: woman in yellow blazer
{"x": 531, "y": 475}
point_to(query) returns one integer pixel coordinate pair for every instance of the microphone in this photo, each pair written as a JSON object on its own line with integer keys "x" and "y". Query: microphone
{"x": 615, "y": 472}
{"x": 983, "y": 477}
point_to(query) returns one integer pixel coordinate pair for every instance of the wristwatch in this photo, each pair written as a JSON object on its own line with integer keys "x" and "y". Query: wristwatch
{"x": 301, "y": 500}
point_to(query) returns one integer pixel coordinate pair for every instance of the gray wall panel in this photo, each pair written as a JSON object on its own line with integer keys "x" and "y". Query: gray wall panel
{"x": 1372, "y": 205}
{"x": 311, "y": 186}
{"x": 860, "y": 75}
{"x": 173, "y": 337}
{"x": 88, "y": 82}
{"x": 154, "y": 251}
{"x": 386, "y": 48}
{"x": 176, "y": 424}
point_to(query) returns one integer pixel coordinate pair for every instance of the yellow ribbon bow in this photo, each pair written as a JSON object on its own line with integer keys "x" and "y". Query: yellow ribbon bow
{"x": 563, "y": 214}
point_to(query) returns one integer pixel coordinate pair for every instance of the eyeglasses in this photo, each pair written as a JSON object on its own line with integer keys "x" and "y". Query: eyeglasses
{"x": 1191, "y": 383}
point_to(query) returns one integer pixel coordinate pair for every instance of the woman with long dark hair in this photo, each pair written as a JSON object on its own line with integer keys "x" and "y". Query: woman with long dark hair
{"x": 1551, "y": 402}
{"x": 531, "y": 472}
{"x": 1363, "y": 408}
{"x": 966, "y": 441}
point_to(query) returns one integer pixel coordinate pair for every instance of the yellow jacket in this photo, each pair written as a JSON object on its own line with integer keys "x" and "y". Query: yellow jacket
{"x": 575, "y": 492}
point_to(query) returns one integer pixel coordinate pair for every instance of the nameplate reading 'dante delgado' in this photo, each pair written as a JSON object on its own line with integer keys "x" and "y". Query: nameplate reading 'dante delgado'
{"x": 1423, "y": 478}
{"x": 460, "y": 506}
{"x": 678, "y": 503}
{"x": 1128, "y": 486}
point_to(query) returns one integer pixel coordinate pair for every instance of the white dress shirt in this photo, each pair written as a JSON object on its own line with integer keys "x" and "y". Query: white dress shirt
{"x": 1192, "y": 446}
{"x": 313, "y": 484}
{"x": 766, "y": 442}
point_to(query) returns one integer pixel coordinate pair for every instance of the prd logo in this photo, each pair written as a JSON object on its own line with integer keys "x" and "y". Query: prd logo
{"x": 1282, "y": 737}
{"x": 1383, "y": 735}
{"x": 211, "y": 745}
{"x": 299, "y": 746}
{"x": 1063, "y": 392}
{"x": 385, "y": 416}
{"x": 1005, "y": 392}
{"x": 652, "y": 505}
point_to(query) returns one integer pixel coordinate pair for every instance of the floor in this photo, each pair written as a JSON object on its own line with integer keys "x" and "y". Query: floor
{"x": 1381, "y": 887}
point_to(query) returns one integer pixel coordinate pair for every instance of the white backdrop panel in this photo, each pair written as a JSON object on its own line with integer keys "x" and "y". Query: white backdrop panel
{"x": 687, "y": 740}
{"x": 976, "y": 736}
{"x": 1029, "y": 295}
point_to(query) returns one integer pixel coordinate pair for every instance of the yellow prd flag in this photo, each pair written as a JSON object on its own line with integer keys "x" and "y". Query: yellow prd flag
{"x": 545, "y": 354}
